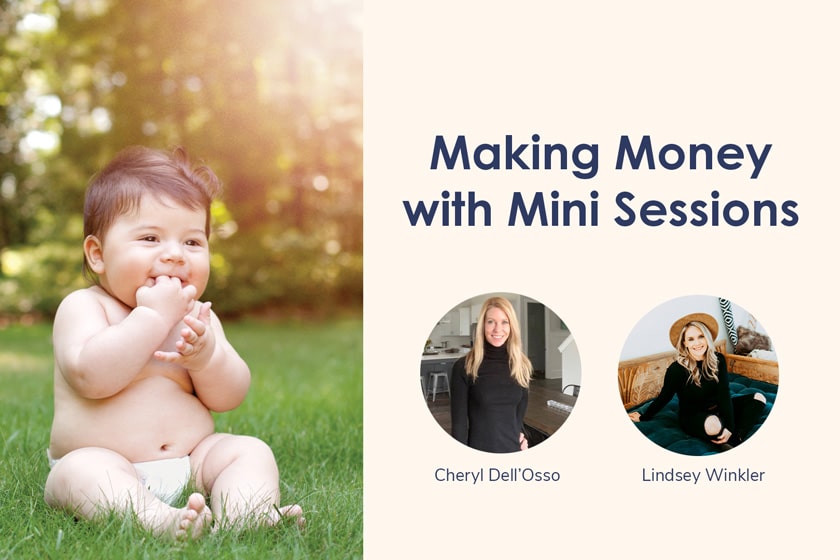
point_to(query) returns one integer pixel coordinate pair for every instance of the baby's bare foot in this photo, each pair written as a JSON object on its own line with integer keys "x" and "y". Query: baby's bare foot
{"x": 188, "y": 522}
{"x": 293, "y": 511}
{"x": 192, "y": 519}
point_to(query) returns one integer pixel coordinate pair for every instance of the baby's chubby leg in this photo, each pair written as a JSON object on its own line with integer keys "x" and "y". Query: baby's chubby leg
{"x": 241, "y": 476}
{"x": 92, "y": 481}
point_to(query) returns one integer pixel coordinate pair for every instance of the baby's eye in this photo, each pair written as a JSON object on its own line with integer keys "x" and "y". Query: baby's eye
{"x": 149, "y": 238}
{"x": 194, "y": 243}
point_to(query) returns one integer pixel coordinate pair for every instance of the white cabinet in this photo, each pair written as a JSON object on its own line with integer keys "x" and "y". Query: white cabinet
{"x": 458, "y": 322}
{"x": 463, "y": 321}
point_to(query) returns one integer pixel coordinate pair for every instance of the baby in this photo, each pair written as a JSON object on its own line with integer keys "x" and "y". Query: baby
{"x": 140, "y": 363}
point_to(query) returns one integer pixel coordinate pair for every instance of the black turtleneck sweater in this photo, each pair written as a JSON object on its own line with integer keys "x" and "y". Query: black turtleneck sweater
{"x": 488, "y": 413}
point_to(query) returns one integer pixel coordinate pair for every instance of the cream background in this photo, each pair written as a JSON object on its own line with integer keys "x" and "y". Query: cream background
{"x": 714, "y": 72}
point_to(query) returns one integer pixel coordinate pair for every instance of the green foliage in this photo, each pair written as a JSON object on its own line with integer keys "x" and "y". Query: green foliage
{"x": 44, "y": 274}
{"x": 272, "y": 267}
{"x": 268, "y": 94}
{"x": 305, "y": 402}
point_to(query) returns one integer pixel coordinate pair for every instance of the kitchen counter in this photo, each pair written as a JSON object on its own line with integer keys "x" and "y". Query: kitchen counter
{"x": 444, "y": 355}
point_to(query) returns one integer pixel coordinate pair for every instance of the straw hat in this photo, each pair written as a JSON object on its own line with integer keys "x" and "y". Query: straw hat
{"x": 704, "y": 318}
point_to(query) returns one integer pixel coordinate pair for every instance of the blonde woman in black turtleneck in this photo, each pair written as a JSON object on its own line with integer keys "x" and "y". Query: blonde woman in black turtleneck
{"x": 490, "y": 384}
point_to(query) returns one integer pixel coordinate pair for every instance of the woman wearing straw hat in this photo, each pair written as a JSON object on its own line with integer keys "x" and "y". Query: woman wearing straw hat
{"x": 699, "y": 379}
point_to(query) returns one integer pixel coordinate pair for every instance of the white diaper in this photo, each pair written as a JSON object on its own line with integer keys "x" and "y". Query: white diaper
{"x": 165, "y": 478}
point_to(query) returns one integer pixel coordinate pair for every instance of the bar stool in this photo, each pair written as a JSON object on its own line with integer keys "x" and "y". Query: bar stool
{"x": 433, "y": 380}
{"x": 423, "y": 387}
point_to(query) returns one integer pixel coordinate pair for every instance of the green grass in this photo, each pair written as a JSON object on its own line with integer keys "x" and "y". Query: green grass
{"x": 305, "y": 402}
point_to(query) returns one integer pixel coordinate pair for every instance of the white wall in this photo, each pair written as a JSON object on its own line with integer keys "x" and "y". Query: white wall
{"x": 650, "y": 335}
{"x": 571, "y": 361}
{"x": 437, "y": 334}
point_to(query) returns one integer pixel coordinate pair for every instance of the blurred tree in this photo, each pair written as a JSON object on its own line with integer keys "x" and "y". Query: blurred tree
{"x": 267, "y": 93}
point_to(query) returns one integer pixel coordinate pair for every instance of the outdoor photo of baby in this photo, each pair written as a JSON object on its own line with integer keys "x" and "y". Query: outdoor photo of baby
{"x": 141, "y": 362}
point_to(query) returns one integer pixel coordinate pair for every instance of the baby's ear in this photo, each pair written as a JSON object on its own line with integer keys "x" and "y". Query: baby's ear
{"x": 93, "y": 254}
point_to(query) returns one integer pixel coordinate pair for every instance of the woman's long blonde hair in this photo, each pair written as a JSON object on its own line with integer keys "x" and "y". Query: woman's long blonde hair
{"x": 709, "y": 368}
{"x": 520, "y": 365}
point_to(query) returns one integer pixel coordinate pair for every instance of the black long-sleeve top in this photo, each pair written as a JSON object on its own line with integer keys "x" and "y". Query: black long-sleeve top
{"x": 694, "y": 400}
{"x": 488, "y": 414}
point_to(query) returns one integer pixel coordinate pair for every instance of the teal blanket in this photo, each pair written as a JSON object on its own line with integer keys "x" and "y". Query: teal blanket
{"x": 664, "y": 429}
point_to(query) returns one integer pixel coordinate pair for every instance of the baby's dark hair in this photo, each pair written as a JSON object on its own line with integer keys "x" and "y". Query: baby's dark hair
{"x": 119, "y": 187}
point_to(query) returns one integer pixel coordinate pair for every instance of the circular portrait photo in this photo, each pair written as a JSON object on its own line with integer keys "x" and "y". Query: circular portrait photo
{"x": 698, "y": 375}
{"x": 500, "y": 372}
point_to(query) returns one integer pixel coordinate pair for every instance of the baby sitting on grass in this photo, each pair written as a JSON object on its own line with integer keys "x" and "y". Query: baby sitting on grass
{"x": 140, "y": 363}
